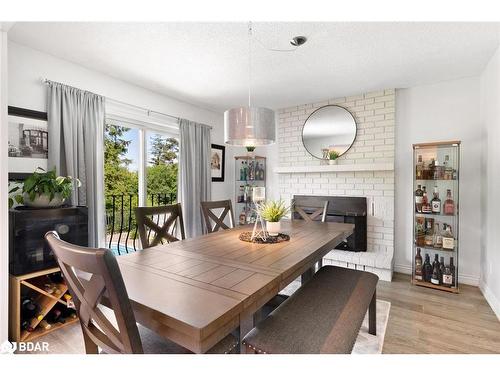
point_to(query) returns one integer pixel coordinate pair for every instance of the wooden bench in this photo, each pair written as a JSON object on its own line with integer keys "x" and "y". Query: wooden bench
{"x": 323, "y": 316}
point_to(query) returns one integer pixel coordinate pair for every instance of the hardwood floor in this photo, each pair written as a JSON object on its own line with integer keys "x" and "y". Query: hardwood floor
{"x": 423, "y": 320}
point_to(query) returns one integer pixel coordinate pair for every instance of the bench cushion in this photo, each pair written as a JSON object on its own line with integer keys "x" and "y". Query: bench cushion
{"x": 323, "y": 316}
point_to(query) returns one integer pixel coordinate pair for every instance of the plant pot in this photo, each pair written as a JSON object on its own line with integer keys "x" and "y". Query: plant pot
{"x": 273, "y": 228}
{"x": 43, "y": 201}
{"x": 332, "y": 161}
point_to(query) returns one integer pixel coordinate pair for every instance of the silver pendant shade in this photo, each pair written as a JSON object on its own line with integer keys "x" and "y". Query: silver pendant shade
{"x": 249, "y": 126}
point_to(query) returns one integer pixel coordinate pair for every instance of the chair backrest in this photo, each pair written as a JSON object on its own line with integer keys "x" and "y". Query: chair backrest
{"x": 211, "y": 221}
{"x": 104, "y": 282}
{"x": 320, "y": 211}
{"x": 163, "y": 221}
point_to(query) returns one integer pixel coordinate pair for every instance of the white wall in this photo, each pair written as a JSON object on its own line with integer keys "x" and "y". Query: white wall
{"x": 4, "y": 257}
{"x": 490, "y": 244}
{"x": 27, "y": 66}
{"x": 440, "y": 112}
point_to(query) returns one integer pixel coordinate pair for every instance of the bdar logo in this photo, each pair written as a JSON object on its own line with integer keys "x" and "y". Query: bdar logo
{"x": 8, "y": 347}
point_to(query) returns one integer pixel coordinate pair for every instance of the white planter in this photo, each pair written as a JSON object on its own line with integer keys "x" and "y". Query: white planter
{"x": 332, "y": 162}
{"x": 273, "y": 228}
{"x": 43, "y": 201}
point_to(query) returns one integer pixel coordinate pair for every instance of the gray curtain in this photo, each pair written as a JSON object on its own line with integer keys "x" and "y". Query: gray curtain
{"x": 195, "y": 179}
{"x": 76, "y": 141}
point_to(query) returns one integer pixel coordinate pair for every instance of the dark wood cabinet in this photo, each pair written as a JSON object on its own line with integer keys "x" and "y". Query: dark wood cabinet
{"x": 28, "y": 251}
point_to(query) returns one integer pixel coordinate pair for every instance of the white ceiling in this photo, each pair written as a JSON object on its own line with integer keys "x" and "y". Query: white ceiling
{"x": 207, "y": 63}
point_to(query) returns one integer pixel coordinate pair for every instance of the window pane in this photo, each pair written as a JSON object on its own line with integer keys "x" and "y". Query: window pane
{"x": 162, "y": 168}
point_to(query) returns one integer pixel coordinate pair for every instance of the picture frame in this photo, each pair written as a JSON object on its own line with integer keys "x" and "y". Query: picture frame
{"x": 218, "y": 162}
{"x": 28, "y": 139}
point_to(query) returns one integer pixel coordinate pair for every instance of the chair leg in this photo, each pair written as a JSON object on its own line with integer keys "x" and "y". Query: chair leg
{"x": 372, "y": 315}
{"x": 90, "y": 346}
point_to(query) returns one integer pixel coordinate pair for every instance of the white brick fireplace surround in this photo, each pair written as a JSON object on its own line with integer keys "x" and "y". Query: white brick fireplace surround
{"x": 367, "y": 170}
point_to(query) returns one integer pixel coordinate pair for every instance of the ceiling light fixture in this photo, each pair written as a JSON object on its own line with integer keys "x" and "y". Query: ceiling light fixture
{"x": 249, "y": 126}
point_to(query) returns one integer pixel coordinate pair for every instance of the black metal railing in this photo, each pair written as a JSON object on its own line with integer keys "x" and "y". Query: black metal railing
{"x": 121, "y": 227}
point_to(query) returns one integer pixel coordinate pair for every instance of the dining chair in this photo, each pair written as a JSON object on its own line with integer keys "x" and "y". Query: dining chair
{"x": 213, "y": 222}
{"x": 148, "y": 224}
{"x": 102, "y": 304}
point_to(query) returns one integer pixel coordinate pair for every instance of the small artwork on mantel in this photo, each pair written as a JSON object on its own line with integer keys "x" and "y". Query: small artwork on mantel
{"x": 218, "y": 162}
{"x": 28, "y": 140}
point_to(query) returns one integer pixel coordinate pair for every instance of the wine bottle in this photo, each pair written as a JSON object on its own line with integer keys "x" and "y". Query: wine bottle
{"x": 436, "y": 202}
{"x": 447, "y": 277}
{"x": 45, "y": 325}
{"x": 449, "y": 204}
{"x": 441, "y": 269}
{"x": 418, "y": 266}
{"x": 448, "y": 239}
{"x": 435, "y": 273}
{"x": 427, "y": 267}
{"x": 452, "y": 269}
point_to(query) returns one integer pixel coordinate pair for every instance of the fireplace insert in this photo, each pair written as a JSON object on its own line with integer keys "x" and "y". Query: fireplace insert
{"x": 341, "y": 210}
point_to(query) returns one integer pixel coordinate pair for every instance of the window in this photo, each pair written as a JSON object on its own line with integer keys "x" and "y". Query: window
{"x": 140, "y": 168}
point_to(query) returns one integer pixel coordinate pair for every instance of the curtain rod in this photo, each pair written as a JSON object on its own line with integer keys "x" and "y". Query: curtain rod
{"x": 148, "y": 111}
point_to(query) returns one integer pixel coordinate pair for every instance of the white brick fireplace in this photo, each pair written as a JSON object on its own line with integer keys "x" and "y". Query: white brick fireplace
{"x": 367, "y": 170}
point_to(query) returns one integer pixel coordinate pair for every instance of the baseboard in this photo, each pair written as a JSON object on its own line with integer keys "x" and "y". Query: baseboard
{"x": 463, "y": 279}
{"x": 490, "y": 298}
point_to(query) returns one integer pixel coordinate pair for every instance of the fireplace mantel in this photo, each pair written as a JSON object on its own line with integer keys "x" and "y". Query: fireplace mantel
{"x": 336, "y": 168}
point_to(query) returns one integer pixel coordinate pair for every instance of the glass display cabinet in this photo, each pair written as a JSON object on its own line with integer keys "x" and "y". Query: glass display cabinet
{"x": 436, "y": 175}
{"x": 250, "y": 172}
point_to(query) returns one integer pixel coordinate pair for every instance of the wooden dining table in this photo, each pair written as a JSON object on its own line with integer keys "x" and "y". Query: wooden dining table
{"x": 196, "y": 291}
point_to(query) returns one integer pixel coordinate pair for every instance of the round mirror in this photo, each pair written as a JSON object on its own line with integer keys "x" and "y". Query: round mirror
{"x": 329, "y": 128}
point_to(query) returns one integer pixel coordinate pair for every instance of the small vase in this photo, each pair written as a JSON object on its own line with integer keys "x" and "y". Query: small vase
{"x": 43, "y": 201}
{"x": 332, "y": 161}
{"x": 273, "y": 228}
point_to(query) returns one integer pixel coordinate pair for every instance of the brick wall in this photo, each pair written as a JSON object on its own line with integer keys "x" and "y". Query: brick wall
{"x": 374, "y": 115}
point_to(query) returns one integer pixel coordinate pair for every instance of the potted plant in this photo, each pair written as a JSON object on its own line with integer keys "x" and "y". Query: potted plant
{"x": 45, "y": 189}
{"x": 272, "y": 212}
{"x": 333, "y": 155}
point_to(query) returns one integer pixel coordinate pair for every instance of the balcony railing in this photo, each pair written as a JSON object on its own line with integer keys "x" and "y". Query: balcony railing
{"x": 121, "y": 227}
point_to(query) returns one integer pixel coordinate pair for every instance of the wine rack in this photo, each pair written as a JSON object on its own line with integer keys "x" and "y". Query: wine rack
{"x": 33, "y": 283}
{"x": 250, "y": 172}
{"x": 436, "y": 176}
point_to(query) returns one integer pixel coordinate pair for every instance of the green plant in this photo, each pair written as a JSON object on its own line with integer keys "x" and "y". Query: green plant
{"x": 250, "y": 148}
{"x": 41, "y": 182}
{"x": 272, "y": 211}
{"x": 332, "y": 155}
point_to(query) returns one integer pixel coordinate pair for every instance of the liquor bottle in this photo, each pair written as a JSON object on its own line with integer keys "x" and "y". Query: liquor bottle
{"x": 449, "y": 204}
{"x": 418, "y": 266}
{"x": 436, "y": 170}
{"x": 243, "y": 218}
{"x": 448, "y": 170}
{"x": 262, "y": 173}
{"x": 419, "y": 193}
{"x": 435, "y": 274}
{"x": 419, "y": 168}
{"x": 429, "y": 173}
{"x": 436, "y": 202}
{"x": 447, "y": 278}
{"x": 448, "y": 239}
{"x": 441, "y": 269}
{"x": 429, "y": 223}
{"x": 427, "y": 268}
{"x": 437, "y": 239}
{"x": 452, "y": 270}
{"x": 436, "y": 261}
{"x": 426, "y": 207}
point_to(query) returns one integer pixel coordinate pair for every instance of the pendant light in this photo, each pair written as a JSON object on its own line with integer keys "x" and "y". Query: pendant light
{"x": 249, "y": 126}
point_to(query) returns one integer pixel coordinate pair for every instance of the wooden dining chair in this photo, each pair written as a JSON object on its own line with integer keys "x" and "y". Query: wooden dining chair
{"x": 148, "y": 224}
{"x": 211, "y": 221}
{"x": 94, "y": 279}
{"x": 319, "y": 211}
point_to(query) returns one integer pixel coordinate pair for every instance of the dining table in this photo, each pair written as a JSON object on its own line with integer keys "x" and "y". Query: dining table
{"x": 198, "y": 290}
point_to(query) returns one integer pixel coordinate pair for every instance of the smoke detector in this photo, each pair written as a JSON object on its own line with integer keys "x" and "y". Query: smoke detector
{"x": 298, "y": 41}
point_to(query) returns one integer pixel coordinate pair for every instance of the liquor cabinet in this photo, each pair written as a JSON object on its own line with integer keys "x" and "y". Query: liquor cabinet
{"x": 435, "y": 248}
{"x": 250, "y": 172}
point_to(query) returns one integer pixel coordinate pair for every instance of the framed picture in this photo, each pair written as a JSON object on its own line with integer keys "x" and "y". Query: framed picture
{"x": 28, "y": 141}
{"x": 218, "y": 162}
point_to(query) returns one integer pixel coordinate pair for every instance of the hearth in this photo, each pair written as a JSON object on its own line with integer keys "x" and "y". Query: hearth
{"x": 342, "y": 210}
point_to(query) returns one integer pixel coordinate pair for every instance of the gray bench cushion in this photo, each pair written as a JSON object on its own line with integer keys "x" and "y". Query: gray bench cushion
{"x": 323, "y": 316}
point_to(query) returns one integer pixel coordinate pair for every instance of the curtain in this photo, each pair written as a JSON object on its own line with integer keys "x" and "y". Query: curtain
{"x": 195, "y": 180}
{"x": 76, "y": 148}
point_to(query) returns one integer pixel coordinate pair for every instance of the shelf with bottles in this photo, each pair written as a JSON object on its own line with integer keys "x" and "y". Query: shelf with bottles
{"x": 250, "y": 168}
{"x": 438, "y": 274}
{"x": 436, "y": 213}
{"x": 40, "y": 303}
